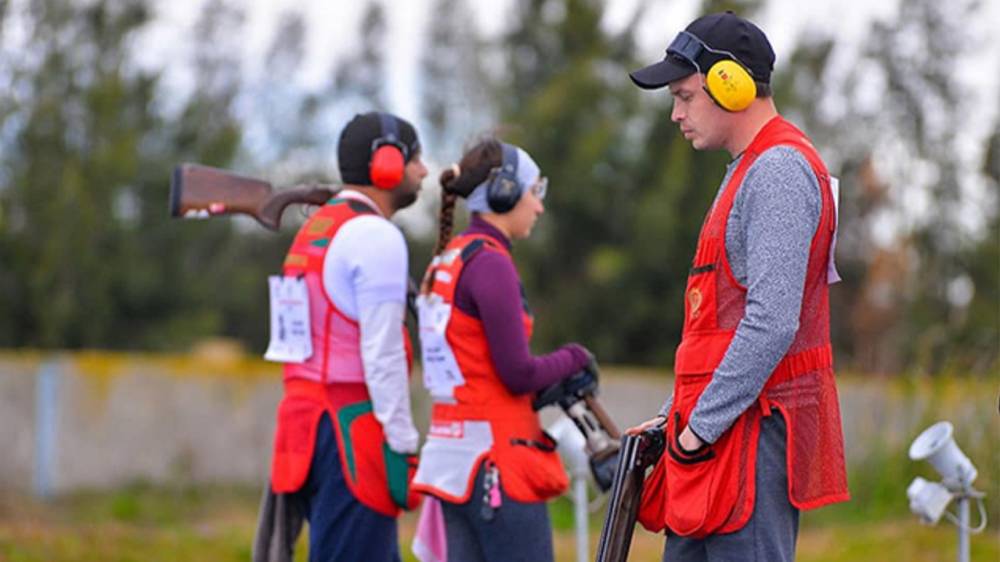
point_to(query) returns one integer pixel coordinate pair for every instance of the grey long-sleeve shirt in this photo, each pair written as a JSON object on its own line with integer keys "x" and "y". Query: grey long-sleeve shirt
{"x": 768, "y": 233}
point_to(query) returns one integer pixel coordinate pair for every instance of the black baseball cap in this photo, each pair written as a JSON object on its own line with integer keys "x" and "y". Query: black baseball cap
{"x": 706, "y": 41}
{"x": 357, "y": 143}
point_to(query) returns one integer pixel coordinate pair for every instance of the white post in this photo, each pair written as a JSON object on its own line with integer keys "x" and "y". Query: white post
{"x": 572, "y": 449}
{"x": 963, "y": 528}
{"x": 580, "y": 516}
{"x": 46, "y": 411}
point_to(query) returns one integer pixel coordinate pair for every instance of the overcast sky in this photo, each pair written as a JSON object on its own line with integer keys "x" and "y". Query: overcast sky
{"x": 332, "y": 26}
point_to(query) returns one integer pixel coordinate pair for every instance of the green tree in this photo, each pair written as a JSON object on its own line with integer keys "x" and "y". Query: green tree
{"x": 360, "y": 78}
{"x": 454, "y": 86}
{"x": 976, "y": 338}
{"x": 905, "y": 297}
{"x": 927, "y": 111}
{"x": 567, "y": 102}
{"x": 69, "y": 170}
{"x": 609, "y": 264}
{"x": 288, "y": 137}
{"x": 90, "y": 257}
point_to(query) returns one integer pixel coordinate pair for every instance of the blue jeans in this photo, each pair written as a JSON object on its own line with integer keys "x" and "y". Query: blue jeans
{"x": 341, "y": 529}
{"x": 519, "y": 532}
{"x": 771, "y": 532}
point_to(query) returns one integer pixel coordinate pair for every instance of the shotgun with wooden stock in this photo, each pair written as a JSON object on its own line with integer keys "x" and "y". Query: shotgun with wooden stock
{"x": 198, "y": 191}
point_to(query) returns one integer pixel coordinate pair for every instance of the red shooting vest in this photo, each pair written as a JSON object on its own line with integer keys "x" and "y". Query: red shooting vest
{"x": 712, "y": 490}
{"x": 332, "y": 381}
{"x": 482, "y": 420}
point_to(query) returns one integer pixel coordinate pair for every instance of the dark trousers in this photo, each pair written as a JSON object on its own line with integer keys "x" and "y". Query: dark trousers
{"x": 341, "y": 529}
{"x": 519, "y": 532}
{"x": 773, "y": 528}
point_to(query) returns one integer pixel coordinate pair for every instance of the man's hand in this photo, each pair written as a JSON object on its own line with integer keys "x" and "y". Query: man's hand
{"x": 658, "y": 421}
{"x": 689, "y": 441}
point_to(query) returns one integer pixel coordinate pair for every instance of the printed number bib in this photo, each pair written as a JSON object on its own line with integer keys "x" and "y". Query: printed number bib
{"x": 291, "y": 335}
{"x": 441, "y": 372}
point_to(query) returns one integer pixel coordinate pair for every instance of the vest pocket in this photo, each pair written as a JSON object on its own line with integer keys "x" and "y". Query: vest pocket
{"x": 707, "y": 487}
{"x": 674, "y": 449}
{"x": 690, "y": 483}
{"x": 364, "y": 458}
{"x": 530, "y": 469}
{"x": 399, "y": 470}
{"x": 708, "y": 268}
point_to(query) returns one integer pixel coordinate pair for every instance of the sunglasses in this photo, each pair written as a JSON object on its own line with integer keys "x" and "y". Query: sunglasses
{"x": 688, "y": 47}
{"x": 540, "y": 188}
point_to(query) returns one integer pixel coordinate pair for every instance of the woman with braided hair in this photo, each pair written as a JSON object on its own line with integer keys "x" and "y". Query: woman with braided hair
{"x": 486, "y": 457}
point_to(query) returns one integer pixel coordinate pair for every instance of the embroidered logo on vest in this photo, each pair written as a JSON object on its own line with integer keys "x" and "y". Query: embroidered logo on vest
{"x": 694, "y": 299}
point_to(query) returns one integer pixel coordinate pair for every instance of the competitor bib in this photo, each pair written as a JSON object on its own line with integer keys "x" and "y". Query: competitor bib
{"x": 441, "y": 372}
{"x": 291, "y": 335}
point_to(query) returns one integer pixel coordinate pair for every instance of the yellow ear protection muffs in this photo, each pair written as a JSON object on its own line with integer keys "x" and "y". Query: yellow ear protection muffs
{"x": 728, "y": 82}
{"x": 503, "y": 192}
{"x": 389, "y": 154}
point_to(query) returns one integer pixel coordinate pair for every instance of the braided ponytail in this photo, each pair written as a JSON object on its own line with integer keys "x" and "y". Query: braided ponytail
{"x": 460, "y": 180}
{"x": 446, "y": 217}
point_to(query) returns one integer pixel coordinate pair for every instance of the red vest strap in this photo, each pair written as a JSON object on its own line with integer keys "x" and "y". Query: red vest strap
{"x": 810, "y": 360}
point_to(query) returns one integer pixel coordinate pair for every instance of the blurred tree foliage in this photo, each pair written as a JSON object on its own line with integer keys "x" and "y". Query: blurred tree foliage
{"x": 609, "y": 262}
{"x": 927, "y": 112}
{"x": 455, "y": 91}
{"x": 362, "y": 76}
{"x": 608, "y": 265}
{"x": 918, "y": 247}
{"x": 88, "y": 257}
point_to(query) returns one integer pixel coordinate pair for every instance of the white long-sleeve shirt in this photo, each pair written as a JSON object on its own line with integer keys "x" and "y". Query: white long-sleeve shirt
{"x": 365, "y": 274}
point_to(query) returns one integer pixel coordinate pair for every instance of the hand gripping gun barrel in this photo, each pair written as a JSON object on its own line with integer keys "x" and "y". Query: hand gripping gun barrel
{"x": 638, "y": 453}
{"x": 198, "y": 191}
{"x": 576, "y": 395}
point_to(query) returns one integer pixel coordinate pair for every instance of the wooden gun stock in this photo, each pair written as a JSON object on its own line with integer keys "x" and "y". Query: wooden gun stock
{"x": 198, "y": 191}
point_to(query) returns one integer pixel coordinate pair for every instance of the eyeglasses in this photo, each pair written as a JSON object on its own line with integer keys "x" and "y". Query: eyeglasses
{"x": 540, "y": 188}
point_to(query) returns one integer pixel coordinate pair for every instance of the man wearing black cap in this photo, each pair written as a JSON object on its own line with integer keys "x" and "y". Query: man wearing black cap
{"x": 753, "y": 427}
{"x": 345, "y": 443}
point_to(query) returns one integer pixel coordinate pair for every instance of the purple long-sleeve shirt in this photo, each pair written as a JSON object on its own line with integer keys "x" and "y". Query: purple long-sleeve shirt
{"x": 489, "y": 289}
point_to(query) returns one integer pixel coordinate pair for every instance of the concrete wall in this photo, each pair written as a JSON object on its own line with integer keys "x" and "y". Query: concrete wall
{"x": 125, "y": 418}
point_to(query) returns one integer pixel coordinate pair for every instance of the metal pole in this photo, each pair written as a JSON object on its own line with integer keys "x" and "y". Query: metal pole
{"x": 963, "y": 528}
{"x": 580, "y": 516}
{"x": 46, "y": 410}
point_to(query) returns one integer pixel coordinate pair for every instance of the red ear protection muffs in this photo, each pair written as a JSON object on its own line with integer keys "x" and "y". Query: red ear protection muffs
{"x": 503, "y": 191}
{"x": 728, "y": 82}
{"x": 385, "y": 169}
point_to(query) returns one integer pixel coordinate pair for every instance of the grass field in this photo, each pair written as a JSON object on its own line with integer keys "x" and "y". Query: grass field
{"x": 176, "y": 520}
{"x": 170, "y": 524}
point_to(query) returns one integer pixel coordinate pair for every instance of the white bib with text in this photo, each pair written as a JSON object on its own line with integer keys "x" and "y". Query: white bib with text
{"x": 291, "y": 335}
{"x": 441, "y": 372}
